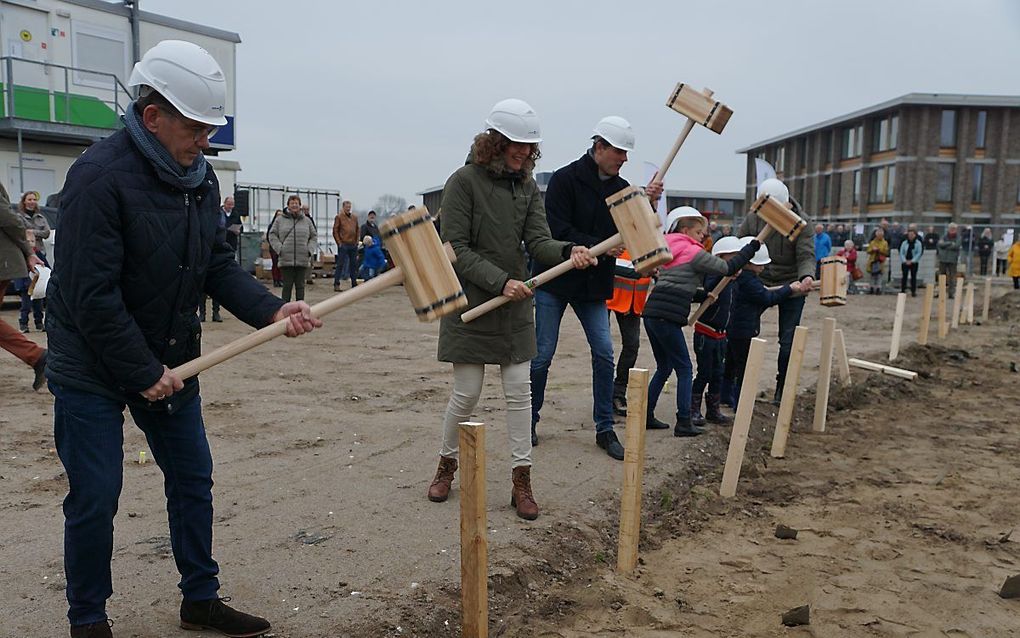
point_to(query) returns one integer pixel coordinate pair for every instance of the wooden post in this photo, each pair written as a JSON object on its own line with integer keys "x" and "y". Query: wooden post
{"x": 633, "y": 470}
{"x": 474, "y": 562}
{"x": 884, "y": 369}
{"x": 842, "y": 362}
{"x": 929, "y": 297}
{"x": 957, "y": 302}
{"x": 943, "y": 292}
{"x": 824, "y": 374}
{"x": 742, "y": 420}
{"x": 897, "y": 327}
{"x": 789, "y": 392}
{"x": 968, "y": 306}
{"x": 988, "y": 300}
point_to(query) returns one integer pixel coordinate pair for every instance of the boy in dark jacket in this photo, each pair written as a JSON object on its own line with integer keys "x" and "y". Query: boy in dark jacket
{"x": 750, "y": 299}
{"x": 669, "y": 305}
{"x": 710, "y": 343}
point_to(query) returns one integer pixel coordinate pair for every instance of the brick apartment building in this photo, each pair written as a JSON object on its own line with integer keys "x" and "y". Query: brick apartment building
{"x": 923, "y": 157}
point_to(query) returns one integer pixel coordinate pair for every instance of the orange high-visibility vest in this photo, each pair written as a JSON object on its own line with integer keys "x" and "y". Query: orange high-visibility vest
{"x": 629, "y": 295}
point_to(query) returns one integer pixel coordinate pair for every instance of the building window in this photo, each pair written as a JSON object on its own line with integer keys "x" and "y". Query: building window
{"x": 852, "y": 141}
{"x": 884, "y": 132}
{"x": 826, "y": 189}
{"x": 982, "y": 123}
{"x": 947, "y": 137}
{"x": 726, "y": 207}
{"x": 944, "y": 185}
{"x": 98, "y": 49}
{"x": 802, "y": 153}
{"x": 977, "y": 174}
{"x": 826, "y": 147}
{"x": 882, "y": 183}
{"x": 781, "y": 159}
{"x": 857, "y": 188}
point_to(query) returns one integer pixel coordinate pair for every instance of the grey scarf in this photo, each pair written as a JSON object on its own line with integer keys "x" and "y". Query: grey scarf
{"x": 166, "y": 166}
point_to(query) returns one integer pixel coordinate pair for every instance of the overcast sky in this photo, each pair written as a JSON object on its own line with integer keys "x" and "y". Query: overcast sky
{"x": 384, "y": 97}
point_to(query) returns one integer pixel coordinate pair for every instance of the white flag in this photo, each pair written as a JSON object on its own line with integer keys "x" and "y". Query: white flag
{"x": 650, "y": 171}
{"x": 763, "y": 171}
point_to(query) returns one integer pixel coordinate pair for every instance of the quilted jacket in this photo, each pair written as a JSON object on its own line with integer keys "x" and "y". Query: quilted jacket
{"x": 134, "y": 255}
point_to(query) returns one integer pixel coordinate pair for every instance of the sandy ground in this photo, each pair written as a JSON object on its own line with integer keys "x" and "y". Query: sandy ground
{"x": 325, "y": 445}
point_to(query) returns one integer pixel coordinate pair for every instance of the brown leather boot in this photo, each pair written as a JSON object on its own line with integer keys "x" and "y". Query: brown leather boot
{"x": 521, "y": 497}
{"x": 439, "y": 491}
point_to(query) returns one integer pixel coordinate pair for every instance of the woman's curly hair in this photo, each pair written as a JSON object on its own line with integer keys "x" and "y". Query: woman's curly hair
{"x": 489, "y": 150}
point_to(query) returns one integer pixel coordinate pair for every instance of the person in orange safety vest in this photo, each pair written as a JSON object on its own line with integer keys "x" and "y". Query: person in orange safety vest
{"x": 630, "y": 290}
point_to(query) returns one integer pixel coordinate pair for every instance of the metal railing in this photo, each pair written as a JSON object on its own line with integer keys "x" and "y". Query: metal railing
{"x": 117, "y": 97}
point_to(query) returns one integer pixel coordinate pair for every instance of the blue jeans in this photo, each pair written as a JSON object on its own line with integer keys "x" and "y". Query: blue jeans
{"x": 670, "y": 350}
{"x": 594, "y": 318}
{"x": 346, "y": 263}
{"x": 790, "y": 311}
{"x": 89, "y": 433}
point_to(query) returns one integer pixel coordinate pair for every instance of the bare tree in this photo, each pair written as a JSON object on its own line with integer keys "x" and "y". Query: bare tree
{"x": 388, "y": 205}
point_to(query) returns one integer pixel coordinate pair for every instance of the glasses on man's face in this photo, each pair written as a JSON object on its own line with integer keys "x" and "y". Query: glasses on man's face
{"x": 199, "y": 131}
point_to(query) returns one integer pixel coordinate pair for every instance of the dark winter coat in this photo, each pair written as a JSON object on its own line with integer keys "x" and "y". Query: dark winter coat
{"x": 133, "y": 259}
{"x": 575, "y": 204}
{"x": 486, "y": 217}
{"x": 750, "y": 299}
{"x": 14, "y": 248}
{"x": 717, "y": 317}
{"x": 678, "y": 282}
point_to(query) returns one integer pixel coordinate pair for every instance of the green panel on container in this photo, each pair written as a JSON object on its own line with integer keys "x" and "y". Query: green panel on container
{"x": 31, "y": 103}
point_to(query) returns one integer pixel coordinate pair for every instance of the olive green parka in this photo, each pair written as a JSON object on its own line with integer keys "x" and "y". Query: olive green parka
{"x": 488, "y": 218}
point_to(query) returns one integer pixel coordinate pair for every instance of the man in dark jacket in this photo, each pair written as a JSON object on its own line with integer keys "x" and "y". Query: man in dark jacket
{"x": 140, "y": 242}
{"x": 575, "y": 204}
{"x": 790, "y": 262}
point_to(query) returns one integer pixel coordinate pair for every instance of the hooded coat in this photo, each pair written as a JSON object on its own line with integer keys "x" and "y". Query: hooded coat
{"x": 791, "y": 261}
{"x": 489, "y": 217}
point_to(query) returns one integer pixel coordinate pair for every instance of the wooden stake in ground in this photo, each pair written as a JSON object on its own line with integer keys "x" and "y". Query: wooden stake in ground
{"x": 968, "y": 306}
{"x": 957, "y": 302}
{"x": 824, "y": 374}
{"x": 742, "y": 420}
{"x": 842, "y": 362}
{"x": 943, "y": 292}
{"x": 789, "y": 392}
{"x": 988, "y": 300}
{"x": 633, "y": 470}
{"x": 929, "y": 298}
{"x": 897, "y": 327}
{"x": 474, "y": 559}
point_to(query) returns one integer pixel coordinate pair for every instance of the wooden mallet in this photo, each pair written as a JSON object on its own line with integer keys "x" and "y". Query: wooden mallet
{"x": 423, "y": 266}
{"x": 778, "y": 217}
{"x": 637, "y": 223}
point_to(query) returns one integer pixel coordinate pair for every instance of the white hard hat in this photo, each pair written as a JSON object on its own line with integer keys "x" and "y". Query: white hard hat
{"x": 188, "y": 77}
{"x": 678, "y": 213}
{"x": 761, "y": 258}
{"x": 516, "y": 120}
{"x": 617, "y": 131}
{"x": 728, "y": 244}
{"x": 775, "y": 189}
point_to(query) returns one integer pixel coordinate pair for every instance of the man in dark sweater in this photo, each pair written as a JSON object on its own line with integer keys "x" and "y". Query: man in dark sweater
{"x": 576, "y": 208}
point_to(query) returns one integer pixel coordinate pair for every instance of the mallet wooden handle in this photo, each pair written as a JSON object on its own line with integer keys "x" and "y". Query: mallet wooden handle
{"x": 661, "y": 173}
{"x": 279, "y": 328}
{"x": 719, "y": 287}
{"x": 541, "y": 278}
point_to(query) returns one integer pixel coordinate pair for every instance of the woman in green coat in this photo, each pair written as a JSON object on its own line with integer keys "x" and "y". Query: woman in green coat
{"x": 491, "y": 211}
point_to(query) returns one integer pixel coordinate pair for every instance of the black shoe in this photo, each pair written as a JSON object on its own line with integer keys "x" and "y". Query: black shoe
{"x": 24, "y": 328}
{"x": 534, "y": 435}
{"x": 697, "y": 419}
{"x": 718, "y": 418}
{"x": 99, "y": 629}
{"x": 620, "y": 406}
{"x": 41, "y": 327}
{"x": 216, "y": 615}
{"x": 651, "y": 423}
{"x": 40, "y": 371}
{"x": 684, "y": 428}
{"x": 608, "y": 442}
{"x": 217, "y": 318}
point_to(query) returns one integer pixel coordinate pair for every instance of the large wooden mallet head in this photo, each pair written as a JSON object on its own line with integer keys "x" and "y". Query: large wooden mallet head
{"x": 429, "y": 278}
{"x": 639, "y": 227}
{"x": 699, "y": 107}
{"x": 778, "y": 216}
